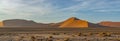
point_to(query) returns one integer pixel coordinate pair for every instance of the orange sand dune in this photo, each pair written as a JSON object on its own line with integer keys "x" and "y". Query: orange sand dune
{"x": 1, "y": 24}
{"x": 110, "y": 24}
{"x": 74, "y": 23}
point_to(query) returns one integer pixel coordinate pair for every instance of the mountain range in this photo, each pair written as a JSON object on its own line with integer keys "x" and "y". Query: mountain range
{"x": 72, "y": 22}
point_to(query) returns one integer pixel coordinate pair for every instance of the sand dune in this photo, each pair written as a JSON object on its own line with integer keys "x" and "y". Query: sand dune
{"x": 74, "y": 22}
{"x": 110, "y": 24}
{"x": 1, "y": 24}
{"x": 22, "y": 23}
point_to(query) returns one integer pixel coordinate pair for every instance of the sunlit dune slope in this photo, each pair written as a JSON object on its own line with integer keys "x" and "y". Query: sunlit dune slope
{"x": 74, "y": 22}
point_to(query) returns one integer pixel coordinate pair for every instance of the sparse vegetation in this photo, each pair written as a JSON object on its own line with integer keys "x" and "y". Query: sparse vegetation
{"x": 79, "y": 34}
{"x": 103, "y": 34}
{"x": 64, "y": 35}
{"x": 67, "y": 39}
{"x": 33, "y": 38}
{"x": 55, "y": 33}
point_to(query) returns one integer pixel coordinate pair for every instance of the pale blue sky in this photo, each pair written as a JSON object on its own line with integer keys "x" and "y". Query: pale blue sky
{"x": 47, "y": 11}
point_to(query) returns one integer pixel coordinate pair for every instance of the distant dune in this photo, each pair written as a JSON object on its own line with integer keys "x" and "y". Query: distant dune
{"x": 22, "y": 23}
{"x": 72, "y": 22}
{"x": 110, "y": 24}
{"x": 1, "y": 24}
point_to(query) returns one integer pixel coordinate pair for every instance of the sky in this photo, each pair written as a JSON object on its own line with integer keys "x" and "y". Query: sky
{"x": 49, "y": 11}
